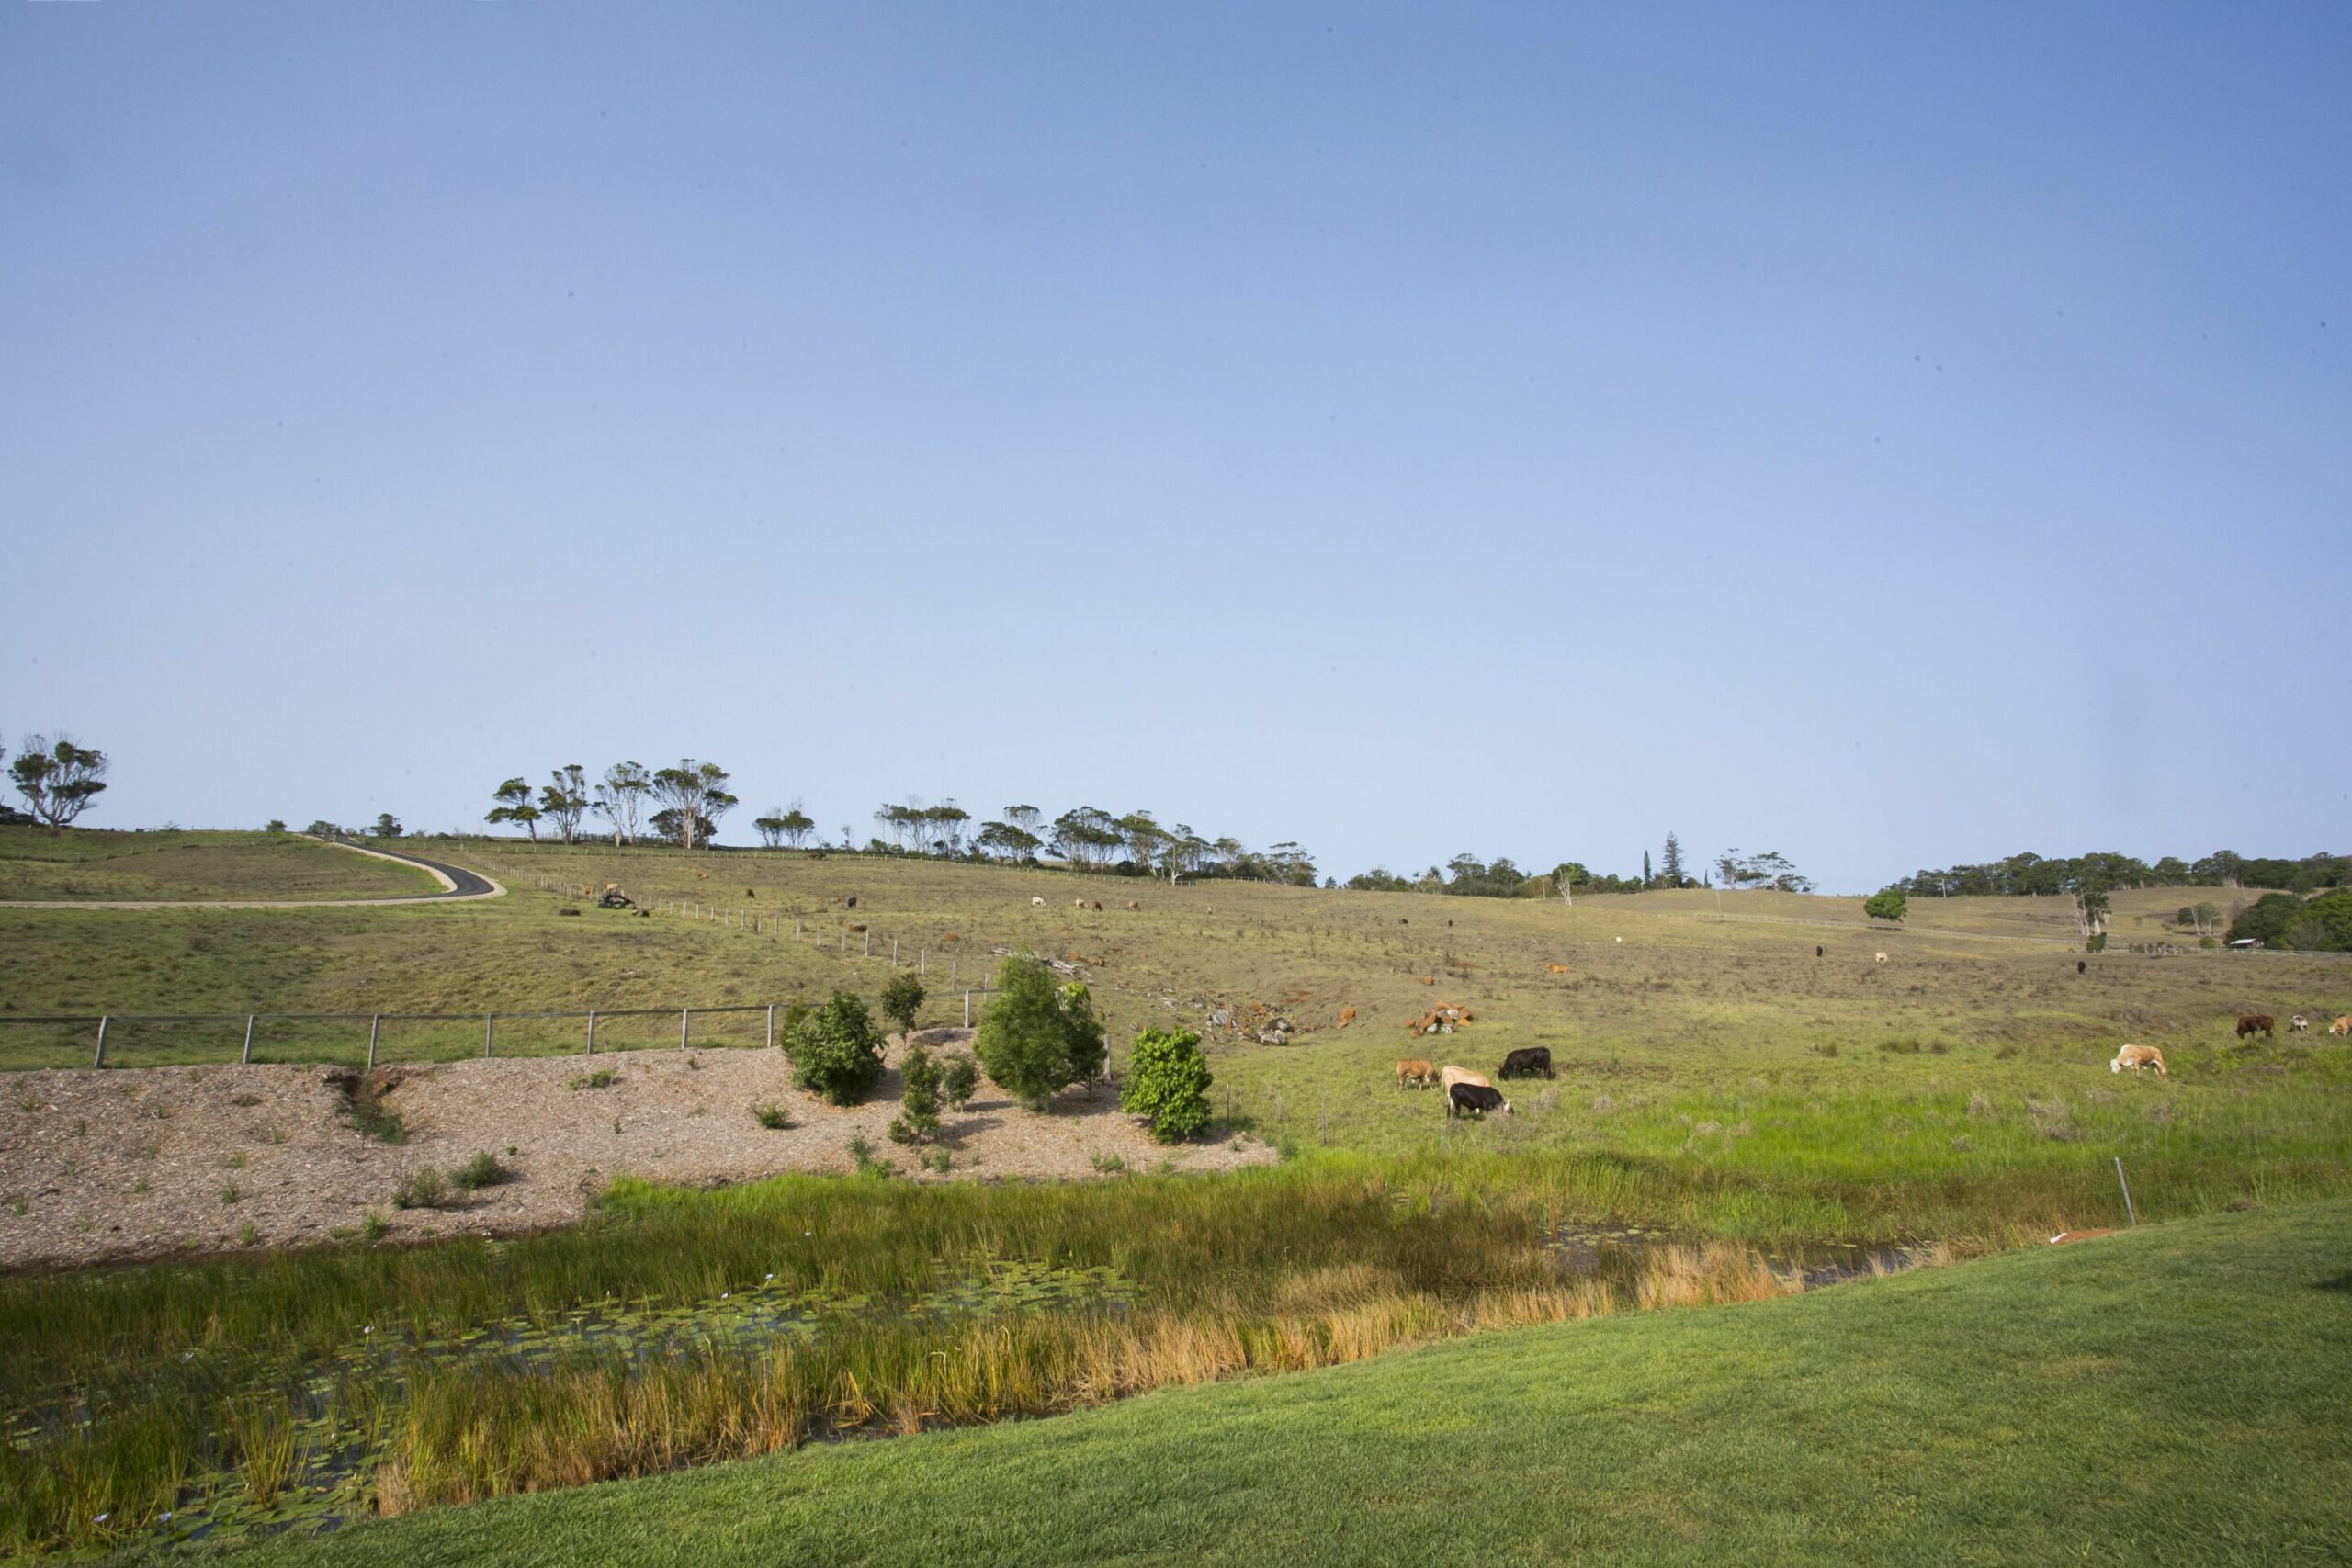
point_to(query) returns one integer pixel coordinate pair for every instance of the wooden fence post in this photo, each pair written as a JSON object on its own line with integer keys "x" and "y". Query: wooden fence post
{"x": 685, "y": 1022}
{"x": 374, "y": 1021}
{"x": 489, "y": 1029}
{"x": 100, "y": 1060}
{"x": 246, "y": 1057}
{"x": 771, "y": 1026}
{"x": 592, "y": 1032}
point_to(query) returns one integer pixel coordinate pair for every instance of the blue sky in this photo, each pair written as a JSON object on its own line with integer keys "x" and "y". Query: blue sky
{"x": 1883, "y": 435}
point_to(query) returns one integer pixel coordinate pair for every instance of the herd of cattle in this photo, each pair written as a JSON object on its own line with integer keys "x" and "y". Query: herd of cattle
{"x": 2139, "y": 1058}
{"x": 1475, "y": 1094}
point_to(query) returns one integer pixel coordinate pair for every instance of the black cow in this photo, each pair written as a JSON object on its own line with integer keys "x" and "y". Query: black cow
{"x": 1533, "y": 1062}
{"x": 1473, "y": 1100}
{"x": 1820, "y": 951}
{"x": 2082, "y": 966}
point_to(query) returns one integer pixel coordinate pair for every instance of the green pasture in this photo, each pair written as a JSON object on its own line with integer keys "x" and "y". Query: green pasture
{"x": 100, "y": 865}
{"x": 2171, "y": 1396}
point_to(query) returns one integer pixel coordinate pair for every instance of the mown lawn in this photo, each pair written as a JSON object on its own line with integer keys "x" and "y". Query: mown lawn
{"x": 99, "y": 865}
{"x": 2173, "y": 1395}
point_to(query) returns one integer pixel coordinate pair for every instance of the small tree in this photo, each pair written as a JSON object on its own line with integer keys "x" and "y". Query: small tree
{"x": 1168, "y": 1084}
{"x": 798, "y": 826}
{"x": 696, "y": 792}
{"x": 835, "y": 1049}
{"x": 564, "y": 799}
{"x": 1671, "y": 867}
{"x": 274, "y": 825}
{"x": 620, "y": 798}
{"x": 1036, "y": 1039}
{"x": 1887, "y": 904}
{"x": 387, "y": 825}
{"x": 58, "y": 781}
{"x": 961, "y": 1080}
{"x": 900, "y": 998}
{"x": 513, "y": 799}
{"x": 771, "y": 828}
{"x": 918, "y": 1118}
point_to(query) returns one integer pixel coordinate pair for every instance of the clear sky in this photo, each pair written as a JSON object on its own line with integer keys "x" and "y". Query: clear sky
{"x": 1884, "y": 434}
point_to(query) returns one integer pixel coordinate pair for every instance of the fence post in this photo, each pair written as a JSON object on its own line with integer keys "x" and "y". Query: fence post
{"x": 771, "y": 1026}
{"x": 870, "y": 941}
{"x": 967, "y": 1010}
{"x": 374, "y": 1020}
{"x": 894, "y": 953}
{"x": 489, "y": 1028}
{"x": 685, "y": 1022}
{"x": 592, "y": 1032}
{"x": 100, "y": 1060}
{"x": 796, "y": 930}
{"x": 246, "y": 1057}
{"x": 922, "y": 961}
{"x": 2131, "y": 1214}
{"x": 845, "y": 939}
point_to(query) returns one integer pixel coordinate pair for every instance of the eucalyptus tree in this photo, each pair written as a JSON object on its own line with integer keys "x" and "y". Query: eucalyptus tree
{"x": 513, "y": 799}
{"x": 698, "y": 792}
{"x": 620, "y": 796}
{"x": 564, "y": 800}
{"x": 57, "y": 779}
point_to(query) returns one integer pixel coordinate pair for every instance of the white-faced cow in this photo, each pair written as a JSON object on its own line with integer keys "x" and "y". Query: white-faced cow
{"x": 1473, "y": 1099}
{"x": 2137, "y": 1058}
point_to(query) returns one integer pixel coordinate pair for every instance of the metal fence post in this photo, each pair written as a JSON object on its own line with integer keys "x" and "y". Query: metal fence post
{"x": 592, "y": 1032}
{"x": 374, "y": 1020}
{"x": 845, "y": 939}
{"x": 2134, "y": 1214}
{"x": 869, "y": 943}
{"x": 771, "y": 1026}
{"x": 489, "y": 1028}
{"x": 894, "y": 953}
{"x": 685, "y": 1022}
{"x": 100, "y": 1060}
{"x": 244, "y": 1058}
{"x": 967, "y": 1010}
{"x": 795, "y": 930}
{"x": 922, "y": 961}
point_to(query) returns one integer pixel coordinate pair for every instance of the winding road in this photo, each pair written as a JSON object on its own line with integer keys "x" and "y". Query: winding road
{"x": 458, "y": 886}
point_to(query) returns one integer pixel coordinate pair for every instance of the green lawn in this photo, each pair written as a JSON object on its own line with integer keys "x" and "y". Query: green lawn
{"x": 91, "y": 864}
{"x": 2174, "y": 1396}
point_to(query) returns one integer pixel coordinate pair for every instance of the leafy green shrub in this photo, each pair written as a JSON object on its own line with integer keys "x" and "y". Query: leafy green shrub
{"x": 483, "y": 1171}
{"x": 918, "y": 1119}
{"x": 835, "y": 1049}
{"x": 1037, "y": 1039}
{"x": 1167, "y": 1083}
{"x": 2095, "y": 943}
{"x": 601, "y": 1079}
{"x": 900, "y": 1000}
{"x": 1888, "y": 904}
{"x": 421, "y": 1188}
{"x": 959, "y": 1082}
{"x": 373, "y": 1226}
{"x": 770, "y": 1115}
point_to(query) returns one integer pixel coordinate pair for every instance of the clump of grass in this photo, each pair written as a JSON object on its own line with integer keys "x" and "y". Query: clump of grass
{"x": 81, "y": 1128}
{"x": 1963, "y": 1143}
{"x": 2161, "y": 1111}
{"x": 229, "y": 1194}
{"x": 234, "y": 1160}
{"x": 363, "y": 1104}
{"x": 1603, "y": 1105}
{"x": 483, "y": 1171}
{"x": 2053, "y": 1119}
{"x": 1824, "y": 1048}
{"x": 1105, "y": 1162}
{"x": 1979, "y": 1104}
{"x": 939, "y": 1160}
{"x": 245, "y": 1100}
{"x": 373, "y": 1226}
{"x": 601, "y": 1079}
{"x": 1903, "y": 1045}
{"x": 771, "y": 1115}
{"x": 423, "y": 1188}
{"x": 247, "y": 1234}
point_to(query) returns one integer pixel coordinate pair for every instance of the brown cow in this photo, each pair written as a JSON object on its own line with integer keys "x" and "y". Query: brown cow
{"x": 1449, "y": 1075}
{"x": 2138, "y": 1056}
{"x": 749, "y": 894}
{"x": 2250, "y": 1023}
{"x": 1414, "y": 1072}
{"x": 2341, "y": 1026}
{"x": 1134, "y": 905}
{"x": 1347, "y": 1016}
{"x": 1556, "y": 968}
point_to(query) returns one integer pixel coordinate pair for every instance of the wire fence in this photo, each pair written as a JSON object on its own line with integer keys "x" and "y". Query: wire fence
{"x": 366, "y": 1039}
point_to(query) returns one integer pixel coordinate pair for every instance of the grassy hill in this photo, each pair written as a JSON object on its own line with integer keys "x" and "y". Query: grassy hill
{"x": 2173, "y": 1395}
{"x": 98, "y": 866}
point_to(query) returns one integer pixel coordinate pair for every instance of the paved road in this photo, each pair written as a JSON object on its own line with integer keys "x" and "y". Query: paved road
{"x": 457, "y": 885}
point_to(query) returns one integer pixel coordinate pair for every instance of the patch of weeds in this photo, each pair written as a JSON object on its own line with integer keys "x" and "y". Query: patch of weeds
{"x": 423, "y": 1188}
{"x": 2004, "y": 1053}
{"x": 1903, "y": 1045}
{"x": 1106, "y": 1162}
{"x": 27, "y": 1103}
{"x": 363, "y": 1103}
{"x": 139, "y": 1187}
{"x": 247, "y": 1101}
{"x": 483, "y": 1171}
{"x": 939, "y": 1160}
{"x": 274, "y": 1135}
{"x": 1602, "y": 1105}
{"x": 81, "y": 1128}
{"x": 235, "y": 1161}
{"x": 601, "y": 1079}
{"x": 247, "y": 1234}
{"x": 229, "y": 1193}
{"x": 1980, "y": 1104}
{"x": 2053, "y": 1119}
{"x": 18, "y": 1206}
{"x": 1824, "y": 1048}
{"x": 861, "y": 1151}
{"x": 1963, "y": 1143}
{"x": 150, "y": 1151}
{"x": 771, "y": 1116}
{"x": 2160, "y": 1111}
{"x": 373, "y": 1226}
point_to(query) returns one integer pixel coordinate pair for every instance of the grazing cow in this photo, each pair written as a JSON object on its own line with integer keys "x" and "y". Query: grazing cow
{"x": 1347, "y": 1016}
{"x": 2138, "y": 1056}
{"x": 1078, "y": 903}
{"x": 1133, "y": 905}
{"x": 1414, "y": 1072}
{"x": 702, "y": 876}
{"x": 1529, "y": 1063}
{"x": 2299, "y": 1024}
{"x": 749, "y": 894}
{"x": 2341, "y": 1026}
{"x": 1820, "y": 951}
{"x": 1036, "y": 903}
{"x": 2082, "y": 966}
{"x": 1448, "y": 1076}
{"x": 1878, "y": 958}
{"x": 1097, "y": 906}
{"x": 1473, "y": 1100}
{"x": 2250, "y": 1023}
{"x": 1556, "y": 968}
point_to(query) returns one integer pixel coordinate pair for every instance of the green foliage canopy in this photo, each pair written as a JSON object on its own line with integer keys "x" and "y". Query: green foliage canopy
{"x": 1037, "y": 1039}
{"x": 835, "y": 1049}
{"x": 1167, "y": 1083}
{"x": 1887, "y": 904}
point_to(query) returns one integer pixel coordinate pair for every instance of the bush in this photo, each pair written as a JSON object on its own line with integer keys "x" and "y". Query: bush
{"x": 960, "y": 1081}
{"x": 770, "y": 1115}
{"x": 483, "y": 1171}
{"x": 836, "y": 1051}
{"x": 1037, "y": 1039}
{"x": 421, "y": 1188}
{"x": 1888, "y": 904}
{"x": 918, "y": 1118}
{"x": 601, "y": 1079}
{"x": 2095, "y": 943}
{"x": 1167, "y": 1083}
{"x": 900, "y": 998}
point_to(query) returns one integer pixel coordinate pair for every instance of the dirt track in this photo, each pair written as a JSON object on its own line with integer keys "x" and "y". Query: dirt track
{"x": 138, "y": 1163}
